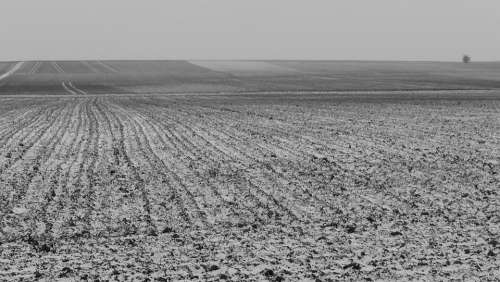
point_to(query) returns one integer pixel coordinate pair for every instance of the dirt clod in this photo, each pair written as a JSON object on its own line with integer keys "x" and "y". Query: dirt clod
{"x": 353, "y": 265}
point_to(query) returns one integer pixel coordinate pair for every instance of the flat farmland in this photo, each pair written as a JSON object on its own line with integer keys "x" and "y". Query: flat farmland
{"x": 244, "y": 184}
{"x": 166, "y": 77}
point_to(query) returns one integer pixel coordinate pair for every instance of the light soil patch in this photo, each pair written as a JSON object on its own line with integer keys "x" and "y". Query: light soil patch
{"x": 246, "y": 68}
{"x": 11, "y": 71}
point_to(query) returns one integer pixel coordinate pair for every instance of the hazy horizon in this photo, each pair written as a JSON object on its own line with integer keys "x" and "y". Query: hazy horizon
{"x": 250, "y": 60}
{"x": 389, "y": 30}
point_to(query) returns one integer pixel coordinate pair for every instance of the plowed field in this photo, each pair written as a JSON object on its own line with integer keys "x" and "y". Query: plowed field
{"x": 250, "y": 186}
{"x": 299, "y": 186}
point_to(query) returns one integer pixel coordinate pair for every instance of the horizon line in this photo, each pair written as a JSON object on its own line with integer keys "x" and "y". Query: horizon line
{"x": 253, "y": 60}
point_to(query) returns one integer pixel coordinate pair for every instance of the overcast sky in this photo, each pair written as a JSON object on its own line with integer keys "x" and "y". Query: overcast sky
{"x": 250, "y": 29}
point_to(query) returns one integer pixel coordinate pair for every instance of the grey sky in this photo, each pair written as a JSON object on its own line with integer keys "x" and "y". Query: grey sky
{"x": 250, "y": 29}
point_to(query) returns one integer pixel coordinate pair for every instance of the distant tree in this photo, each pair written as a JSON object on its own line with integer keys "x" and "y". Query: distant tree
{"x": 466, "y": 59}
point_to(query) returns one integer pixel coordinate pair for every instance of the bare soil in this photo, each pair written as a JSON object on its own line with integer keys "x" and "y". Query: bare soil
{"x": 318, "y": 187}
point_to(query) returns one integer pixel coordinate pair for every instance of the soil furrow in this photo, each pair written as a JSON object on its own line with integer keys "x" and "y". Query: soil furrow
{"x": 120, "y": 149}
{"x": 170, "y": 177}
{"x": 182, "y": 143}
{"x": 40, "y": 155}
{"x": 270, "y": 199}
{"x": 194, "y": 155}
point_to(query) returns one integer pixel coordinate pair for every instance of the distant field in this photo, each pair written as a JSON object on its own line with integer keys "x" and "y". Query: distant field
{"x": 144, "y": 77}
